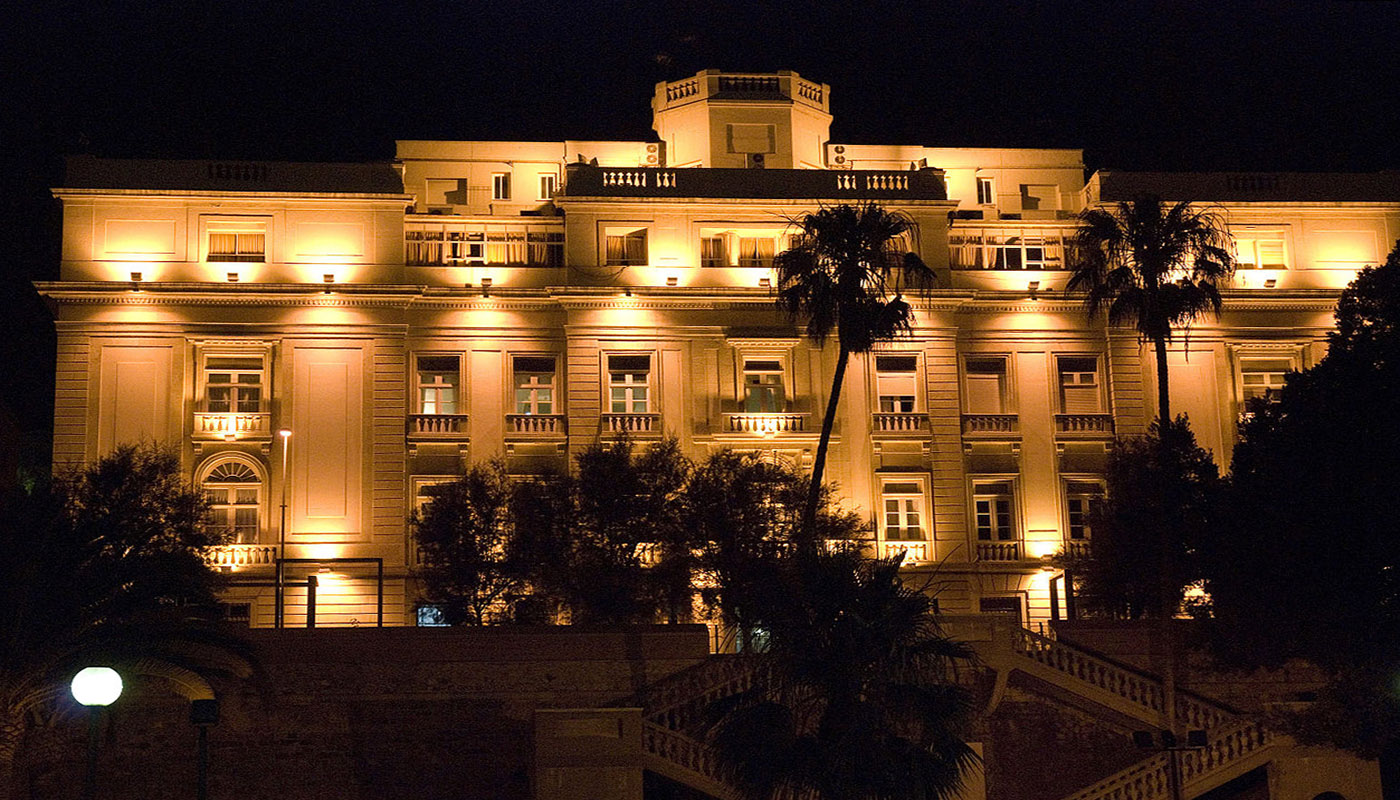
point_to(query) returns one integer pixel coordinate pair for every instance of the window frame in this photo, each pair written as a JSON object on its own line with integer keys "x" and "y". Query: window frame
{"x": 629, "y": 399}
{"x": 1013, "y": 496}
{"x": 1100, "y": 400}
{"x": 1007, "y": 396}
{"x": 626, "y": 234}
{"x": 1294, "y": 353}
{"x": 416, "y": 377}
{"x": 500, "y": 186}
{"x": 259, "y": 485}
{"x": 1254, "y": 234}
{"x": 782, "y": 399}
{"x": 264, "y": 385}
{"x": 989, "y": 197}
{"x": 534, "y": 402}
{"x": 548, "y": 186}
{"x": 920, "y": 497}
{"x": 1068, "y": 497}
{"x": 916, "y": 400}
{"x": 236, "y": 225}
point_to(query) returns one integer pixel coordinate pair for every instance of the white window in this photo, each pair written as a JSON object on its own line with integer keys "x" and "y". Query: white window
{"x": 985, "y": 195}
{"x": 500, "y": 186}
{"x": 985, "y": 379}
{"x": 756, "y": 251}
{"x": 437, "y": 383}
{"x": 713, "y": 252}
{"x": 993, "y": 505}
{"x": 763, "y": 386}
{"x": 534, "y": 384}
{"x": 548, "y": 185}
{"x": 896, "y": 383}
{"x": 1079, "y": 385}
{"x": 234, "y": 493}
{"x": 629, "y": 384}
{"x": 233, "y": 384}
{"x": 904, "y": 516}
{"x": 626, "y": 249}
{"x": 1263, "y": 377}
{"x": 1018, "y": 252}
{"x": 1081, "y": 498}
{"x": 1260, "y": 249}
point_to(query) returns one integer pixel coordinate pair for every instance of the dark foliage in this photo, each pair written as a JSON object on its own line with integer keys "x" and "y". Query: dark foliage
{"x": 1163, "y": 497}
{"x": 1152, "y": 266}
{"x": 467, "y": 569}
{"x": 856, "y": 695}
{"x": 104, "y": 566}
{"x": 1307, "y": 565}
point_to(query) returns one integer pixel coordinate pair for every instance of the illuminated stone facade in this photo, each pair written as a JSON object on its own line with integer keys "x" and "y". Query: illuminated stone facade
{"x": 522, "y": 299}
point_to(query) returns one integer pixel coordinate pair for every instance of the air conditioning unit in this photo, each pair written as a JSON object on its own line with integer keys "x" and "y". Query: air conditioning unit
{"x": 653, "y": 154}
{"x": 755, "y": 160}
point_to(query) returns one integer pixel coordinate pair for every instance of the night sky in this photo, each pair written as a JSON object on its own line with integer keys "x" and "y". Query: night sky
{"x": 1181, "y": 85}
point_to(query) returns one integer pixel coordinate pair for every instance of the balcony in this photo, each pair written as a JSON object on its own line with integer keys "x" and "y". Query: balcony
{"x": 899, "y": 423}
{"x": 1078, "y": 548}
{"x": 991, "y": 426}
{"x": 437, "y": 426}
{"x": 634, "y": 424}
{"x": 586, "y": 180}
{"x": 218, "y": 425}
{"x": 999, "y": 551}
{"x": 912, "y": 552}
{"x": 238, "y": 556}
{"x": 542, "y": 426}
{"x": 765, "y": 424}
{"x": 1084, "y": 426}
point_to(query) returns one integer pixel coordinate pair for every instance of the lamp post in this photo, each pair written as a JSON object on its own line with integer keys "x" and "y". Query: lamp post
{"x": 203, "y": 715}
{"x": 286, "y": 434}
{"x": 96, "y": 688}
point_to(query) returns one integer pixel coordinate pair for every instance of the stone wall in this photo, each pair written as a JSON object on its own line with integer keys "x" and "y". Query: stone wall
{"x": 364, "y": 714}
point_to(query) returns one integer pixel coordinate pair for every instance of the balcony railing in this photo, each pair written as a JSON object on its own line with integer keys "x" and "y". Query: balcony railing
{"x": 899, "y": 422}
{"x": 632, "y": 423}
{"x": 535, "y": 424}
{"x": 990, "y": 425}
{"x": 998, "y": 551}
{"x": 220, "y": 425}
{"x": 241, "y": 555}
{"x": 442, "y": 426}
{"x": 1077, "y": 548}
{"x": 913, "y": 552}
{"x": 1086, "y": 425}
{"x": 765, "y": 424}
{"x": 586, "y": 180}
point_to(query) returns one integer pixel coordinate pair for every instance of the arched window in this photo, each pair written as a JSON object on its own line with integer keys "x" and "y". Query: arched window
{"x": 234, "y": 491}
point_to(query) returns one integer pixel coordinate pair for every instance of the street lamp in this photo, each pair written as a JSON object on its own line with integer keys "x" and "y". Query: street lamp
{"x": 96, "y": 688}
{"x": 286, "y": 434}
{"x": 203, "y": 715}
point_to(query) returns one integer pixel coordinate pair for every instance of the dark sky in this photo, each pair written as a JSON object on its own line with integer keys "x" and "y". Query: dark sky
{"x": 1170, "y": 85}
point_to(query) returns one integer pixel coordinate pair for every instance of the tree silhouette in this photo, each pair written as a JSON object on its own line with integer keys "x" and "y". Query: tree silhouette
{"x": 846, "y": 275}
{"x": 1153, "y": 266}
{"x": 105, "y": 566}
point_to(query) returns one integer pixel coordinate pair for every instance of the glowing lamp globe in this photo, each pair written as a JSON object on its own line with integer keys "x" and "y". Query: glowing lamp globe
{"x": 96, "y": 686}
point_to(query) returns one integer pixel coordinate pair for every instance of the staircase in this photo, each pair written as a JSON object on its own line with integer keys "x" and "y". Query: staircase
{"x": 673, "y": 706}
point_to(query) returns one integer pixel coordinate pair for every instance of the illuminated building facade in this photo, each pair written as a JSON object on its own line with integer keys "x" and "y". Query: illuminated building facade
{"x": 523, "y": 299}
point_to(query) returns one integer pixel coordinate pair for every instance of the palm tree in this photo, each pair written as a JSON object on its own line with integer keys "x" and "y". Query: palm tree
{"x": 846, "y": 274}
{"x": 856, "y": 696}
{"x": 104, "y": 568}
{"x": 1152, "y": 266}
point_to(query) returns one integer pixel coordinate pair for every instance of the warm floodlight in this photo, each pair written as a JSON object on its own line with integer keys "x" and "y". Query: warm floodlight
{"x": 96, "y": 686}
{"x": 285, "y": 433}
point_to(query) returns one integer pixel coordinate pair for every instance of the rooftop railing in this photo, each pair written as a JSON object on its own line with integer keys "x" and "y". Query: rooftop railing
{"x": 586, "y": 180}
